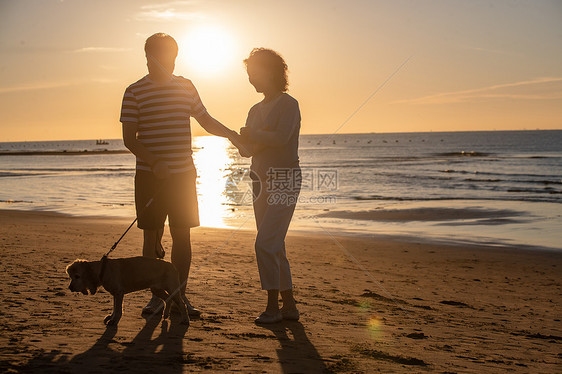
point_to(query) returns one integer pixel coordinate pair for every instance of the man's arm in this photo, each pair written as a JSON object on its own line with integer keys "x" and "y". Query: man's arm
{"x": 159, "y": 167}
{"x": 214, "y": 127}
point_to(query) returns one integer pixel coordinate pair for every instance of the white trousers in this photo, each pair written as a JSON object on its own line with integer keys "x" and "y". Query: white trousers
{"x": 273, "y": 212}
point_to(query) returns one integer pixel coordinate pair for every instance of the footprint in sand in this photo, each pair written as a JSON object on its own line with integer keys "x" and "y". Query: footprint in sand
{"x": 455, "y": 303}
{"x": 417, "y": 335}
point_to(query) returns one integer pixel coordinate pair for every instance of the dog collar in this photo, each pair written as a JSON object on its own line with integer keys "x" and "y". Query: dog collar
{"x": 103, "y": 265}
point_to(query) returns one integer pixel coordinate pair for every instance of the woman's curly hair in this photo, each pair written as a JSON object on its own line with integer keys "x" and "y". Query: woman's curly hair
{"x": 273, "y": 62}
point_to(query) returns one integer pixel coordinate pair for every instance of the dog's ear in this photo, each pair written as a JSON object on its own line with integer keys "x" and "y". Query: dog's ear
{"x": 72, "y": 266}
{"x": 91, "y": 280}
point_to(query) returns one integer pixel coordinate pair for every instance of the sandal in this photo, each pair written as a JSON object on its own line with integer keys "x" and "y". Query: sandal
{"x": 290, "y": 314}
{"x": 266, "y": 318}
{"x": 154, "y": 306}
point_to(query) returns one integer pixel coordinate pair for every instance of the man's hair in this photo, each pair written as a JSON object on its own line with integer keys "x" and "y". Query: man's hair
{"x": 271, "y": 61}
{"x": 161, "y": 44}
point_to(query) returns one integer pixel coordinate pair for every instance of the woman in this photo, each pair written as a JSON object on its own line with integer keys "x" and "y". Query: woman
{"x": 271, "y": 137}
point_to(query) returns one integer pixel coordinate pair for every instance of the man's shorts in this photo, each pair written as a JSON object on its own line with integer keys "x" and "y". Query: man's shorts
{"x": 174, "y": 197}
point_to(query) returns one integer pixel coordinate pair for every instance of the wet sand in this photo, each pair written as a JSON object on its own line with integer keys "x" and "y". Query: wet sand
{"x": 424, "y": 214}
{"x": 367, "y": 305}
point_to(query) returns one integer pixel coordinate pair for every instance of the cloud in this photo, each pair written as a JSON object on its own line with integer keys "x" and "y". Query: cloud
{"x": 168, "y": 12}
{"x": 35, "y": 86}
{"x": 100, "y": 49}
{"x": 169, "y": 4}
{"x": 537, "y": 89}
{"x": 51, "y": 85}
{"x": 103, "y": 80}
{"x": 487, "y": 50}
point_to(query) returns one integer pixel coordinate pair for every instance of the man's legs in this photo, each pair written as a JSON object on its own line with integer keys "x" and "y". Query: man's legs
{"x": 152, "y": 242}
{"x": 181, "y": 258}
{"x": 181, "y": 254}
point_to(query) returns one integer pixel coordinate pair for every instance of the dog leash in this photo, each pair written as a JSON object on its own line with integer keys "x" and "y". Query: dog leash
{"x": 105, "y": 256}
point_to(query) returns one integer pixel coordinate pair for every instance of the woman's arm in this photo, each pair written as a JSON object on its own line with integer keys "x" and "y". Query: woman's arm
{"x": 245, "y": 148}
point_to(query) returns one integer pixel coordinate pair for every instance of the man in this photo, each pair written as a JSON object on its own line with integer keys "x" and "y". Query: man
{"x": 156, "y": 115}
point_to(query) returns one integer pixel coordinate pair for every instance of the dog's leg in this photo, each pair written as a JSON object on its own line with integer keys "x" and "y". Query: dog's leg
{"x": 173, "y": 288}
{"x": 182, "y": 306}
{"x": 159, "y": 292}
{"x": 113, "y": 319}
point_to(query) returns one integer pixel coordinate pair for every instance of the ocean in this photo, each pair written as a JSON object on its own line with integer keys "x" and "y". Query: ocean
{"x": 501, "y": 188}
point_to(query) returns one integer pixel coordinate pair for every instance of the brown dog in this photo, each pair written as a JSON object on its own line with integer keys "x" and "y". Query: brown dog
{"x": 124, "y": 275}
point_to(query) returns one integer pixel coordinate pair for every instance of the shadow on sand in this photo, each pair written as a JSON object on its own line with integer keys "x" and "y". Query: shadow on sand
{"x": 162, "y": 354}
{"x": 297, "y": 353}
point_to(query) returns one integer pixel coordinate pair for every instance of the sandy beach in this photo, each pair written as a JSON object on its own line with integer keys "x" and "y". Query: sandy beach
{"x": 367, "y": 305}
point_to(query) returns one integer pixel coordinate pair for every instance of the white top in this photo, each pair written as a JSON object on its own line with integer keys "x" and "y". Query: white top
{"x": 275, "y": 130}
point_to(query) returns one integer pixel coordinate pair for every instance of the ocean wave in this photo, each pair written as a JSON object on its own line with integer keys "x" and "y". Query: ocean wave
{"x": 16, "y": 201}
{"x": 4, "y": 174}
{"x": 63, "y": 152}
{"x": 484, "y": 180}
{"x": 547, "y": 190}
{"x": 428, "y": 214}
{"x": 516, "y": 181}
{"x": 481, "y": 181}
{"x": 546, "y": 198}
{"x": 463, "y": 154}
{"x": 405, "y": 198}
{"x": 453, "y": 171}
{"x": 69, "y": 170}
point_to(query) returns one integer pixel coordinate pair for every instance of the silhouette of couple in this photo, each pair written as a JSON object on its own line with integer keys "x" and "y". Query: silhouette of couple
{"x": 155, "y": 115}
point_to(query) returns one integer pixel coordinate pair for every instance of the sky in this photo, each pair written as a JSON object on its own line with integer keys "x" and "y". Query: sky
{"x": 354, "y": 66}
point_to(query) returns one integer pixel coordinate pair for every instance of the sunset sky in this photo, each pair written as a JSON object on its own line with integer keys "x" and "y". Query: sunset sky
{"x": 431, "y": 65}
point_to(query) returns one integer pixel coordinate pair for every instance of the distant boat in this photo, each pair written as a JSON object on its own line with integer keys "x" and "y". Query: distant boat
{"x": 101, "y": 142}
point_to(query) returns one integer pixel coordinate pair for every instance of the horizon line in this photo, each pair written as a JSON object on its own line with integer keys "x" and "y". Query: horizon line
{"x": 328, "y": 134}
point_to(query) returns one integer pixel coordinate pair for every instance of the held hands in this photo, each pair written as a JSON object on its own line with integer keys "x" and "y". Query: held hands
{"x": 245, "y": 133}
{"x": 243, "y": 144}
{"x": 250, "y": 145}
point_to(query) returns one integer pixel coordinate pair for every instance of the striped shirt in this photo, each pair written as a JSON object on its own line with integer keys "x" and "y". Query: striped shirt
{"x": 162, "y": 112}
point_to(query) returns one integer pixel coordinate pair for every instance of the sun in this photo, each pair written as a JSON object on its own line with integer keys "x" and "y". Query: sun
{"x": 207, "y": 49}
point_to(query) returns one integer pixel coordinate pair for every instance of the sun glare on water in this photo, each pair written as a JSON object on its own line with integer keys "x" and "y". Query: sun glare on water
{"x": 207, "y": 49}
{"x": 211, "y": 161}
